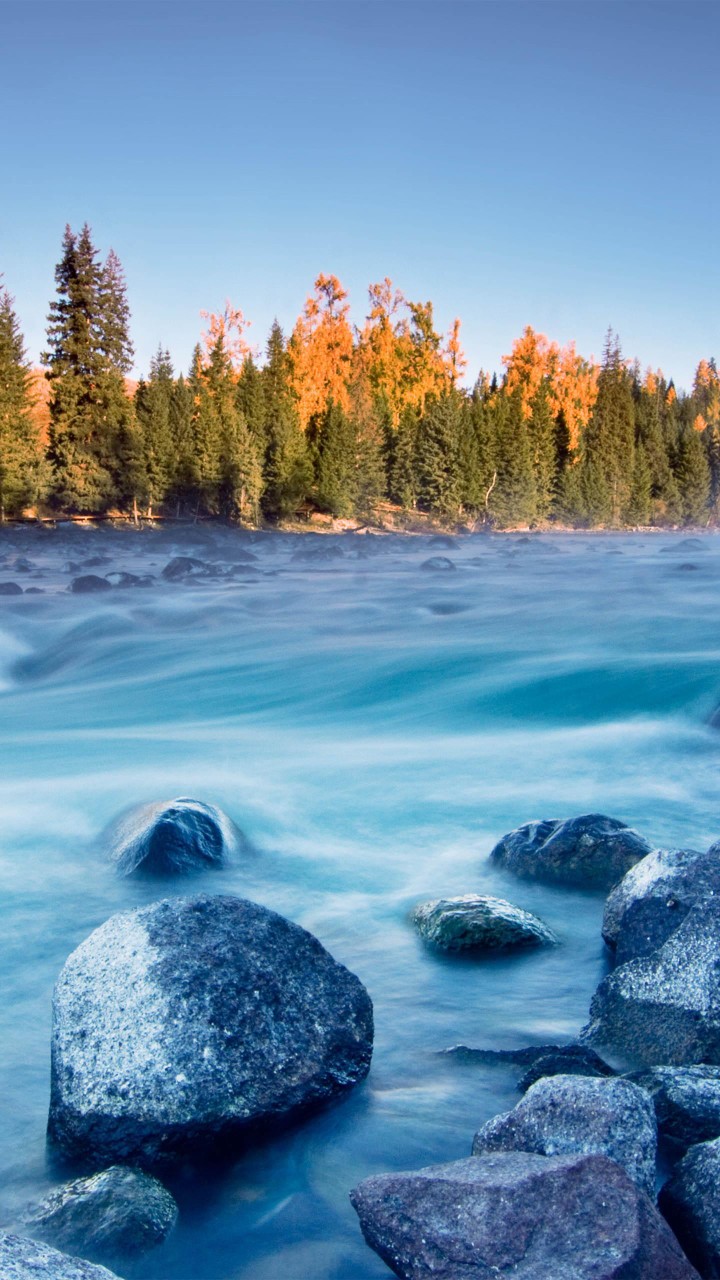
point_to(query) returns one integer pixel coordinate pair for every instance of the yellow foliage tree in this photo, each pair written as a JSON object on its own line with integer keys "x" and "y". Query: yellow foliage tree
{"x": 320, "y": 350}
{"x": 230, "y": 325}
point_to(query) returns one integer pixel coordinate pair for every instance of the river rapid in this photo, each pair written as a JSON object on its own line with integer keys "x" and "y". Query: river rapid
{"x": 373, "y": 726}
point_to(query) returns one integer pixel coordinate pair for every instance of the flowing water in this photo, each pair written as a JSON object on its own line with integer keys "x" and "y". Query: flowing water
{"x": 373, "y": 726}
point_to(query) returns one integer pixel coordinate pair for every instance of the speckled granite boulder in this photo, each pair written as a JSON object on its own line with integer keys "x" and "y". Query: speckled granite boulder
{"x": 653, "y": 899}
{"x": 562, "y": 1115}
{"x": 25, "y": 1259}
{"x": 476, "y": 923}
{"x": 690, "y": 1202}
{"x": 664, "y": 1009}
{"x": 118, "y": 1214}
{"x": 591, "y": 851}
{"x": 195, "y": 1023}
{"x": 172, "y": 837}
{"x": 686, "y": 1100}
{"x": 520, "y": 1217}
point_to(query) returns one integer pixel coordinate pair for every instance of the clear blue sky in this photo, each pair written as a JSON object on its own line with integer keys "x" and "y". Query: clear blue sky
{"x": 543, "y": 163}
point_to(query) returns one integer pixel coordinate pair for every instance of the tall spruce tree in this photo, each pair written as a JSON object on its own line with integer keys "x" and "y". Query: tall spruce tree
{"x": 158, "y": 435}
{"x": 334, "y": 438}
{"x": 543, "y": 431}
{"x": 288, "y": 469}
{"x": 693, "y": 478}
{"x": 93, "y": 446}
{"x": 20, "y": 456}
{"x": 514, "y": 497}
{"x": 609, "y": 442}
{"x": 439, "y": 456}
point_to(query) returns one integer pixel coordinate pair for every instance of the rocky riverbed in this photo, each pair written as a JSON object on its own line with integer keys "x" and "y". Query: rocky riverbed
{"x": 369, "y": 723}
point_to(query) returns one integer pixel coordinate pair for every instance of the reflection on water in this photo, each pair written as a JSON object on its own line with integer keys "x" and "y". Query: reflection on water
{"x": 373, "y": 727}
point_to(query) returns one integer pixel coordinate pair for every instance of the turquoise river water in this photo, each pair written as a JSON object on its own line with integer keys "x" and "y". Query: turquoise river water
{"x": 373, "y": 726}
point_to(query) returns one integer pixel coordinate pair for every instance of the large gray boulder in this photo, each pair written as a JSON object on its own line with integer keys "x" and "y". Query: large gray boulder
{"x": 686, "y": 1100}
{"x": 655, "y": 896}
{"x": 591, "y": 851}
{"x": 520, "y": 1216}
{"x": 690, "y": 1202}
{"x": 479, "y": 923}
{"x": 562, "y": 1115}
{"x": 118, "y": 1214}
{"x": 198, "y": 1022}
{"x": 172, "y": 837}
{"x": 24, "y": 1259}
{"x": 664, "y": 1009}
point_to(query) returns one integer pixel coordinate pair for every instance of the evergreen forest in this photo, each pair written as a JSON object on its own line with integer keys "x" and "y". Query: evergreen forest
{"x": 342, "y": 420}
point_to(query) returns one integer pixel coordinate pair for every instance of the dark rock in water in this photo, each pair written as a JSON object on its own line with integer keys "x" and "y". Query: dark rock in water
{"x": 653, "y": 899}
{"x": 562, "y": 1115}
{"x": 686, "y": 566}
{"x": 690, "y": 1202}
{"x": 184, "y": 567}
{"x": 568, "y": 1059}
{"x": 23, "y": 565}
{"x": 684, "y": 545}
{"x": 89, "y": 582}
{"x": 118, "y": 1214}
{"x": 34, "y": 591}
{"x": 196, "y": 1024}
{"x": 518, "y": 1216}
{"x": 591, "y": 851}
{"x": 24, "y": 1259}
{"x": 438, "y": 563}
{"x": 477, "y": 923}
{"x": 664, "y": 1009}
{"x": 319, "y": 551}
{"x": 122, "y": 579}
{"x": 529, "y": 1055}
{"x": 444, "y": 540}
{"x": 686, "y": 1100}
{"x": 172, "y": 837}
{"x": 10, "y": 589}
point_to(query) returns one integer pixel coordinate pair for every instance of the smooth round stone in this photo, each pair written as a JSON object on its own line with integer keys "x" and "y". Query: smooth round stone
{"x": 475, "y": 922}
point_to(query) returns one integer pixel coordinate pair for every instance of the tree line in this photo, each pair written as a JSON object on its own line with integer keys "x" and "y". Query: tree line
{"x": 338, "y": 419}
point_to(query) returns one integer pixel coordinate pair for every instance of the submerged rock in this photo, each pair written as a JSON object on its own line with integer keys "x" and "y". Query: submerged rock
{"x": 690, "y": 1202}
{"x": 686, "y": 1100}
{"x": 441, "y": 563}
{"x": 653, "y": 899}
{"x": 318, "y": 551}
{"x": 477, "y": 923}
{"x": 87, "y": 583}
{"x": 664, "y": 1009}
{"x": 24, "y": 1259}
{"x": 119, "y": 1213}
{"x": 520, "y": 1216}
{"x": 172, "y": 837}
{"x": 123, "y": 579}
{"x": 10, "y": 589}
{"x": 562, "y": 1115}
{"x": 591, "y": 851}
{"x": 567, "y": 1059}
{"x": 196, "y": 1023}
{"x": 184, "y": 567}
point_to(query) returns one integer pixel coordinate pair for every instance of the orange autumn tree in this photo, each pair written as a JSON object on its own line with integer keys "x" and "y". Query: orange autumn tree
{"x": 455, "y": 359}
{"x": 380, "y": 348}
{"x": 706, "y": 395}
{"x": 571, "y": 381}
{"x": 230, "y": 325}
{"x": 320, "y": 351}
{"x": 425, "y": 368}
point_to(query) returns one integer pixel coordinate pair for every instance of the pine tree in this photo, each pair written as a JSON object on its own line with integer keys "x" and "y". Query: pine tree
{"x": 80, "y": 480}
{"x": 609, "y": 441}
{"x": 336, "y": 468}
{"x": 403, "y": 467}
{"x": 439, "y": 457}
{"x": 20, "y": 457}
{"x": 640, "y": 502}
{"x": 514, "y": 497}
{"x": 693, "y": 478}
{"x": 288, "y": 469}
{"x": 367, "y": 423}
{"x": 159, "y": 439}
{"x": 94, "y": 449}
